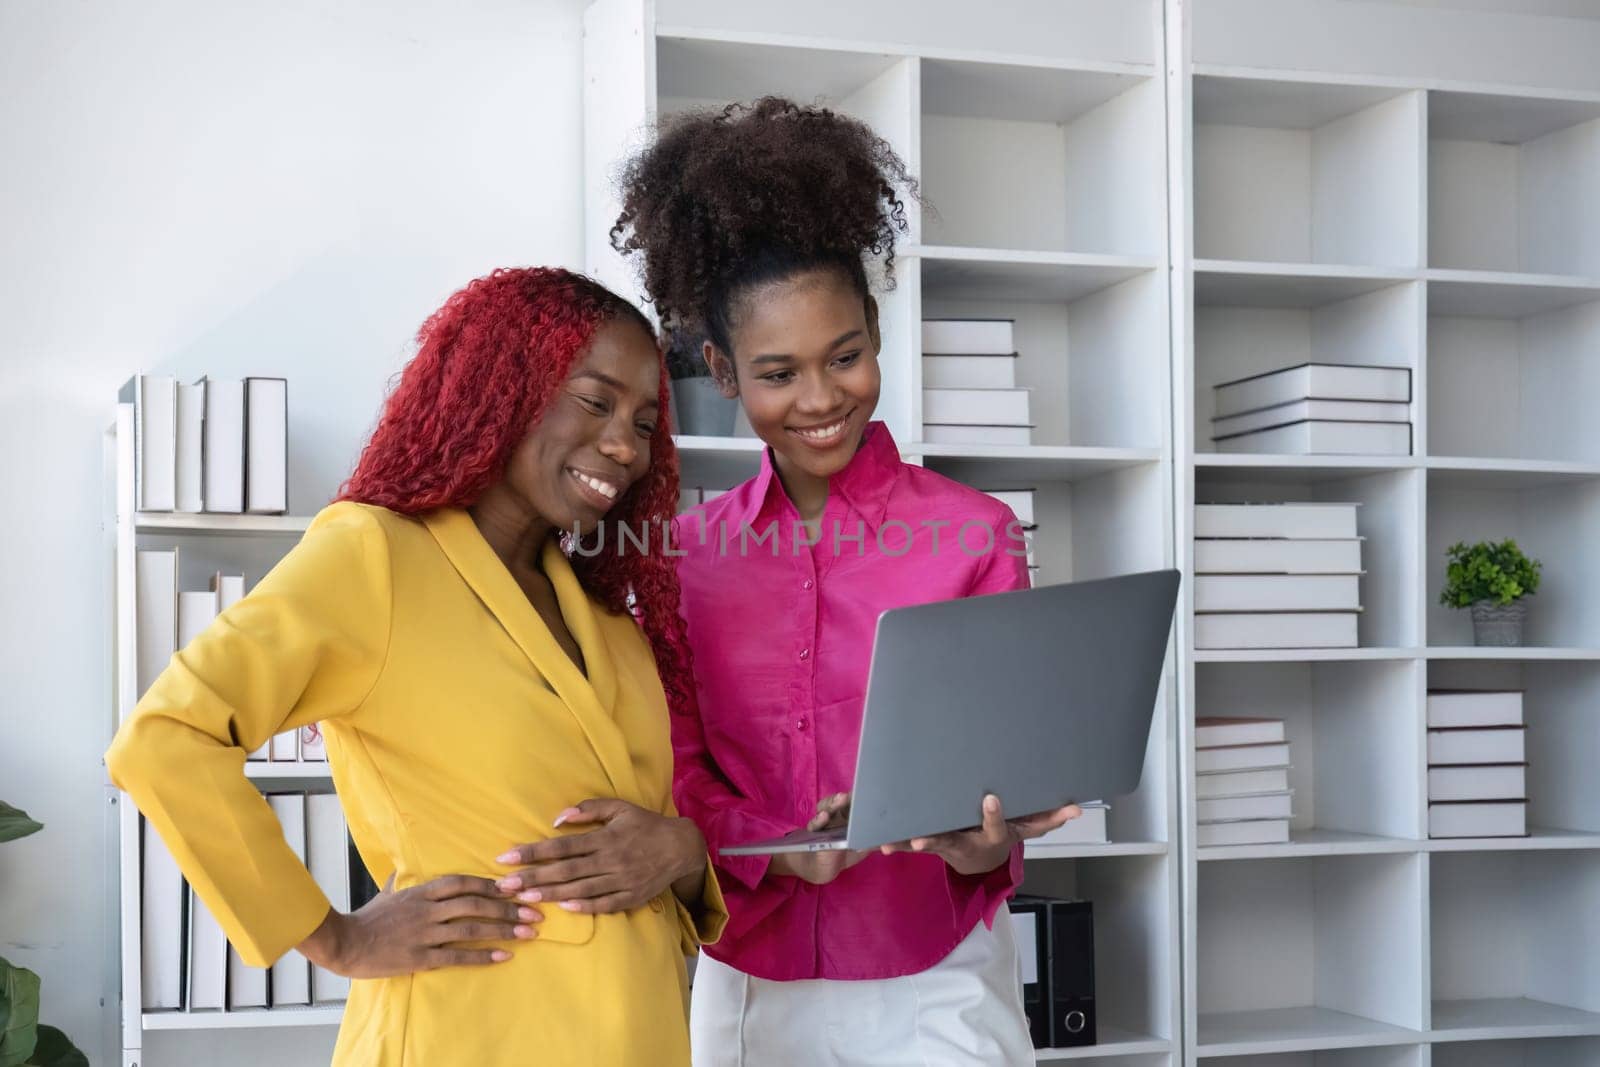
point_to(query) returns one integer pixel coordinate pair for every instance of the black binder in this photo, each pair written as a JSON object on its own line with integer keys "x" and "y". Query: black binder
{"x": 1060, "y": 1005}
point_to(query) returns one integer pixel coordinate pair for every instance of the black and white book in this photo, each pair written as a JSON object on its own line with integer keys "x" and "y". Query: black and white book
{"x": 224, "y": 433}
{"x": 155, "y": 439}
{"x": 1330, "y": 521}
{"x": 1494, "y": 781}
{"x": 1276, "y": 556}
{"x": 1286, "y": 629}
{"x": 1240, "y": 758}
{"x": 1220, "y": 731}
{"x": 328, "y": 859}
{"x": 968, "y": 337}
{"x": 266, "y": 457}
{"x": 975, "y": 407}
{"x": 1493, "y": 744}
{"x": 1241, "y": 783}
{"x": 998, "y": 371}
{"x": 1242, "y": 832}
{"x": 1248, "y": 806}
{"x": 977, "y": 435}
{"x": 155, "y": 612}
{"x": 1277, "y": 592}
{"x": 207, "y": 959}
{"x": 290, "y": 984}
{"x": 1313, "y": 381}
{"x": 195, "y": 612}
{"x": 1323, "y": 437}
{"x": 189, "y": 485}
{"x": 1087, "y": 829}
{"x": 1467, "y": 707}
{"x": 163, "y": 898}
{"x": 285, "y": 747}
{"x": 1020, "y": 501}
{"x": 1303, "y": 410}
{"x": 1499, "y": 818}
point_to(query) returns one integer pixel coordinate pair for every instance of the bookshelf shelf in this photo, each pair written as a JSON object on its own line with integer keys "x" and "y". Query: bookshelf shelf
{"x": 1035, "y": 851}
{"x": 1506, "y": 1018}
{"x": 1471, "y": 472}
{"x": 243, "y": 1020}
{"x": 1524, "y": 653}
{"x": 1112, "y": 1042}
{"x": 239, "y": 525}
{"x": 1303, "y": 843}
{"x": 1037, "y": 462}
{"x": 1278, "y": 468}
{"x": 1286, "y": 1030}
{"x": 1000, "y": 274}
{"x": 288, "y": 772}
{"x": 1490, "y": 294}
{"x": 1301, "y": 655}
{"x": 1539, "y": 839}
{"x": 1235, "y": 283}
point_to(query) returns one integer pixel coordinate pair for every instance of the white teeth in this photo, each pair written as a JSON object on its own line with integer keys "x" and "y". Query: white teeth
{"x": 824, "y": 433}
{"x": 606, "y": 489}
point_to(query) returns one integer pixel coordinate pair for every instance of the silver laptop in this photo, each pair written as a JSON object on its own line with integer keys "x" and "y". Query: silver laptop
{"x": 1043, "y": 697}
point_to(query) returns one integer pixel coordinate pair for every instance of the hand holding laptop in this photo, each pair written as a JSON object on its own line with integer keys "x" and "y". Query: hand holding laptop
{"x": 820, "y": 868}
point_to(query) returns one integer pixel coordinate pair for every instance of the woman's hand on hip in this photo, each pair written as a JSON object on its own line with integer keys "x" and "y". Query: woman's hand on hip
{"x": 982, "y": 850}
{"x": 421, "y": 928}
{"x": 632, "y": 857}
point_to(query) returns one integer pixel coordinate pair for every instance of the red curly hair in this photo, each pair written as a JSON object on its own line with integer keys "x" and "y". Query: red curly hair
{"x": 488, "y": 364}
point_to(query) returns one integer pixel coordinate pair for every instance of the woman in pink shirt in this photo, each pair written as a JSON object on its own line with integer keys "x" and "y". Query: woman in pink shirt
{"x": 754, "y": 226}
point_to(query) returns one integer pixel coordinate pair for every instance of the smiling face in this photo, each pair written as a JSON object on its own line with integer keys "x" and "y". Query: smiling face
{"x": 805, "y": 368}
{"x": 593, "y": 441}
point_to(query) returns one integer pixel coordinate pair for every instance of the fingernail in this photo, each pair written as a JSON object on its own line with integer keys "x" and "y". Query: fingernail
{"x": 531, "y": 896}
{"x": 991, "y": 803}
{"x": 523, "y": 932}
{"x": 499, "y": 955}
{"x": 570, "y": 905}
{"x": 564, "y": 816}
{"x": 507, "y": 857}
{"x": 510, "y": 882}
{"x": 528, "y": 915}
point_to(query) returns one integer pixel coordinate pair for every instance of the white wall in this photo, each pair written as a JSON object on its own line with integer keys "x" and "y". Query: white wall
{"x": 192, "y": 187}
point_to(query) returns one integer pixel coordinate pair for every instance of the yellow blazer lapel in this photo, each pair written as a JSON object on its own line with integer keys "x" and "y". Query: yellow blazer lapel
{"x": 589, "y": 699}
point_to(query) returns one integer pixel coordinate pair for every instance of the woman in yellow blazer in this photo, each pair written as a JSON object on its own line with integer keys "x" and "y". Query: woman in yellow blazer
{"x": 474, "y": 683}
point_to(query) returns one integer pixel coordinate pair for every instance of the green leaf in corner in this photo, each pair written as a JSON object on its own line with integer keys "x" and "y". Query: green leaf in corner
{"x": 19, "y": 993}
{"x": 14, "y": 823}
{"x": 55, "y": 1050}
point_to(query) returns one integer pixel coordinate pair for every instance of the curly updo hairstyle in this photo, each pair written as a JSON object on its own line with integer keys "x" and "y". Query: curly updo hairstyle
{"x": 723, "y": 202}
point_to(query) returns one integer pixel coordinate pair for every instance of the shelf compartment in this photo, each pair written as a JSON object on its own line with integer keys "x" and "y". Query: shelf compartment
{"x": 1514, "y": 939}
{"x": 1306, "y": 172}
{"x": 1353, "y": 749}
{"x": 254, "y": 1019}
{"x": 1006, "y": 274}
{"x": 1369, "y": 1056}
{"x": 1135, "y": 941}
{"x": 1310, "y": 953}
{"x": 1505, "y": 295}
{"x": 1083, "y": 151}
{"x": 1119, "y": 1048}
{"x": 156, "y": 522}
{"x": 1510, "y": 183}
{"x": 1557, "y": 524}
{"x": 1236, "y": 283}
{"x": 1388, "y": 519}
{"x": 1549, "y": 1052}
{"x": 703, "y": 72}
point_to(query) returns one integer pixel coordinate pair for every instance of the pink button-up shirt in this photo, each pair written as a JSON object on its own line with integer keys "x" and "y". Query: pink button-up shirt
{"x": 782, "y": 636}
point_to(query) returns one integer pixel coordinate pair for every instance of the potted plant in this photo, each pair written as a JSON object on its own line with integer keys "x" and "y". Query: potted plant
{"x": 701, "y": 406}
{"x": 23, "y": 1041}
{"x": 1492, "y": 578}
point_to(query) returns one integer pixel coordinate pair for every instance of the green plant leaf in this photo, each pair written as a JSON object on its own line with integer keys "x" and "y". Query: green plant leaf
{"x": 19, "y": 992}
{"x": 1497, "y": 572}
{"x": 55, "y": 1050}
{"x": 14, "y": 823}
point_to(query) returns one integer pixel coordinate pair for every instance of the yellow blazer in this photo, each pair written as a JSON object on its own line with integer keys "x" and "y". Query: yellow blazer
{"x": 456, "y": 727}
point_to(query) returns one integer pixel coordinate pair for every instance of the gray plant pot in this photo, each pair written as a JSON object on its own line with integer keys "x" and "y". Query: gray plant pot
{"x": 699, "y": 408}
{"x": 1498, "y": 626}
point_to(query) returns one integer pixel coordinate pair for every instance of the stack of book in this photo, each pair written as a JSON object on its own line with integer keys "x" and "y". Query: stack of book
{"x": 1477, "y": 774}
{"x": 1242, "y": 794}
{"x": 216, "y": 446}
{"x": 1020, "y": 501}
{"x": 1316, "y": 408}
{"x": 969, "y": 384}
{"x": 1087, "y": 829}
{"x": 188, "y": 964}
{"x": 1276, "y": 576}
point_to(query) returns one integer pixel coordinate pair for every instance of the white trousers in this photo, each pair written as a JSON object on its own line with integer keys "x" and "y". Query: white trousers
{"x": 964, "y": 1011}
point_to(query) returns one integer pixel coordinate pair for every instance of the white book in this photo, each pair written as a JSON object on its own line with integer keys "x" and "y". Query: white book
{"x": 189, "y": 491}
{"x": 975, "y": 407}
{"x": 1243, "y": 832}
{"x": 1252, "y": 806}
{"x": 195, "y": 612}
{"x": 266, "y": 454}
{"x": 1507, "y": 781}
{"x": 223, "y": 460}
{"x": 155, "y": 612}
{"x": 247, "y": 986}
{"x": 977, "y": 435}
{"x": 1239, "y": 783}
{"x": 155, "y": 439}
{"x": 1504, "y": 818}
{"x": 285, "y": 747}
{"x": 1302, "y": 410}
{"x": 328, "y": 859}
{"x": 1277, "y": 592}
{"x": 1297, "y": 520}
{"x": 1462, "y": 707}
{"x": 313, "y": 747}
{"x": 1020, "y": 501}
{"x": 291, "y": 974}
{"x": 1087, "y": 829}
{"x": 1240, "y": 758}
{"x": 1221, "y": 731}
{"x": 1277, "y": 556}
{"x": 230, "y": 590}
{"x": 1495, "y": 744}
{"x": 1324, "y": 438}
{"x": 969, "y": 372}
{"x": 1287, "y": 629}
{"x": 1313, "y": 381}
{"x": 161, "y": 905}
{"x": 208, "y": 959}
{"x": 967, "y": 337}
